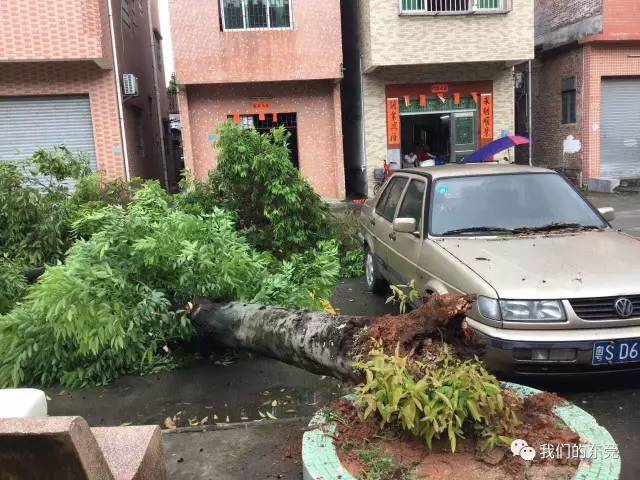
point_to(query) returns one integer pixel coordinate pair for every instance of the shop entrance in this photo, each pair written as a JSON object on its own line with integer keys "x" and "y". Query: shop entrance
{"x": 445, "y": 136}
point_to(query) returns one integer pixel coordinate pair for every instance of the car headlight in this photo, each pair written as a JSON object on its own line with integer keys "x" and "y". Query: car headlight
{"x": 522, "y": 310}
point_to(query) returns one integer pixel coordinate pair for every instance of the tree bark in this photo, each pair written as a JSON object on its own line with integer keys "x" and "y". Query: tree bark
{"x": 329, "y": 344}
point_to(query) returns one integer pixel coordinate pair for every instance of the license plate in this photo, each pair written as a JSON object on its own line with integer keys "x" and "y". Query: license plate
{"x": 618, "y": 351}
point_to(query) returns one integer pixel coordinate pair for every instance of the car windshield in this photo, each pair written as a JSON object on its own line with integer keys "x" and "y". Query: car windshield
{"x": 508, "y": 204}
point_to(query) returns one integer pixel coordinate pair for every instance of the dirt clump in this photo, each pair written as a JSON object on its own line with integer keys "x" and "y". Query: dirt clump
{"x": 441, "y": 318}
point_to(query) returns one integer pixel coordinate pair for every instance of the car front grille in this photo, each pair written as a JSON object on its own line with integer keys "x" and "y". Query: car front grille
{"x": 602, "y": 308}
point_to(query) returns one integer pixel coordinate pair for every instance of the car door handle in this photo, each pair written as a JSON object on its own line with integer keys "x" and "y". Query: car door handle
{"x": 392, "y": 235}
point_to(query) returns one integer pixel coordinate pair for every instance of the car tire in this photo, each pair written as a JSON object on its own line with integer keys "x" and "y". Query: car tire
{"x": 374, "y": 280}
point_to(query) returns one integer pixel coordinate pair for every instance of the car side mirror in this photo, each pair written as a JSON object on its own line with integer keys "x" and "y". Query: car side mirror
{"x": 404, "y": 225}
{"x": 609, "y": 213}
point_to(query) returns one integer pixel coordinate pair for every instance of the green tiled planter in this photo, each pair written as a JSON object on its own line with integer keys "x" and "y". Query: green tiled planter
{"x": 320, "y": 459}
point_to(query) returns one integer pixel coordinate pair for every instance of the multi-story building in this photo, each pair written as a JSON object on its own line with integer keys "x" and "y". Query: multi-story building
{"x": 86, "y": 74}
{"x": 431, "y": 76}
{"x": 586, "y": 88}
{"x": 262, "y": 63}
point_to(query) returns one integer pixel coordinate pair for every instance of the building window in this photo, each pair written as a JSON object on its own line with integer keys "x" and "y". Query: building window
{"x": 126, "y": 14}
{"x": 431, "y": 7}
{"x": 255, "y": 14}
{"x": 569, "y": 100}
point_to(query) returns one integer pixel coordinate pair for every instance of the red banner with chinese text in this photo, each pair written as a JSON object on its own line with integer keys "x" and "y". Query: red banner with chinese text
{"x": 393, "y": 123}
{"x": 486, "y": 117}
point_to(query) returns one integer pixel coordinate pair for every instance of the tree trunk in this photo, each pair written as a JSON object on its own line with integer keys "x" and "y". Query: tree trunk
{"x": 328, "y": 344}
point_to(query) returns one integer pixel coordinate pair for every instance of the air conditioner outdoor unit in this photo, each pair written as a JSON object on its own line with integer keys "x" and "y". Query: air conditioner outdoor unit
{"x": 130, "y": 84}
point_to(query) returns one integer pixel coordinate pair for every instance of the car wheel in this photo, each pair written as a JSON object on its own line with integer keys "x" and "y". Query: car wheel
{"x": 375, "y": 282}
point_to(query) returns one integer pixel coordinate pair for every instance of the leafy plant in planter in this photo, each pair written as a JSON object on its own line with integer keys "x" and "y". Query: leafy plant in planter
{"x": 441, "y": 395}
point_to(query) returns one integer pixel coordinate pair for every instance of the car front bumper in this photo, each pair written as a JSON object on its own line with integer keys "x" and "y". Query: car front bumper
{"x": 510, "y": 352}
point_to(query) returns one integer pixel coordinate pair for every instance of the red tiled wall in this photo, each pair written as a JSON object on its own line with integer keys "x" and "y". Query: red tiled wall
{"x": 74, "y": 78}
{"x": 602, "y": 60}
{"x": 622, "y": 17}
{"x": 317, "y": 105}
{"x": 205, "y": 54}
{"x": 52, "y": 29}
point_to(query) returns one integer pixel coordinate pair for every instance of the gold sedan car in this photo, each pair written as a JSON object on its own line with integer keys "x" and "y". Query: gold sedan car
{"x": 559, "y": 289}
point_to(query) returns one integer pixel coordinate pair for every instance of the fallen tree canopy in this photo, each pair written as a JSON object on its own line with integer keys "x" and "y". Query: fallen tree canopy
{"x": 329, "y": 344}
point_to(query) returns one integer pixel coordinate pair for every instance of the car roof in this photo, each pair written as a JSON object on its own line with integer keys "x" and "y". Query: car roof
{"x": 473, "y": 169}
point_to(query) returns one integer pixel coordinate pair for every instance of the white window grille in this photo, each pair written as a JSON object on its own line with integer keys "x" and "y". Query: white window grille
{"x": 453, "y": 7}
{"x": 256, "y": 14}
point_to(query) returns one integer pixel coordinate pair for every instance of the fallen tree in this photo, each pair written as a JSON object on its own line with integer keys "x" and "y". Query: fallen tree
{"x": 329, "y": 344}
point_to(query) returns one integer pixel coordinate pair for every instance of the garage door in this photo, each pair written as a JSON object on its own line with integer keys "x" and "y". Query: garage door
{"x": 620, "y": 128}
{"x": 28, "y": 124}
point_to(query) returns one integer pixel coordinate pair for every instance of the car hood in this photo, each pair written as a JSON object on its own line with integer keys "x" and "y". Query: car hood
{"x": 555, "y": 266}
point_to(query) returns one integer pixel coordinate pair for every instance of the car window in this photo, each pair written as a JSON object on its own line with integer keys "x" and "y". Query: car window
{"x": 412, "y": 203}
{"x": 514, "y": 201}
{"x": 391, "y": 197}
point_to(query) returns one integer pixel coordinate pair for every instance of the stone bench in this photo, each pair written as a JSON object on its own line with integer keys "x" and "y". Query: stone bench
{"x": 48, "y": 448}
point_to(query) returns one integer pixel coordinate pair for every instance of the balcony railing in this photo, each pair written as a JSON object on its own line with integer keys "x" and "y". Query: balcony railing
{"x": 453, "y": 7}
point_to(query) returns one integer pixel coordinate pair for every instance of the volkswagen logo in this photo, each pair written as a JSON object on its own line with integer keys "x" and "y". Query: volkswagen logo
{"x": 624, "y": 307}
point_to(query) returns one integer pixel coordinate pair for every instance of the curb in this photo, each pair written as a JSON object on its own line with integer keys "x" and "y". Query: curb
{"x": 320, "y": 460}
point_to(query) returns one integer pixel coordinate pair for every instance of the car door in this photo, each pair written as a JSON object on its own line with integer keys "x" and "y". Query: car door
{"x": 405, "y": 248}
{"x": 382, "y": 219}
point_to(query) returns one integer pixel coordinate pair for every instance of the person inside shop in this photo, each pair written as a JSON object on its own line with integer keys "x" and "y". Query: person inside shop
{"x": 426, "y": 158}
{"x": 410, "y": 159}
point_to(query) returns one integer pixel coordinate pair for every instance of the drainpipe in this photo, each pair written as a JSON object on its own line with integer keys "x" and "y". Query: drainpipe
{"x": 362, "y": 126}
{"x": 530, "y": 107}
{"x": 157, "y": 93}
{"x": 116, "y": 72}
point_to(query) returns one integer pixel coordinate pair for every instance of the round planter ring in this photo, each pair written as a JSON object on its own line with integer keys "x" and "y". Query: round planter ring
{"x": 320, "y": 460}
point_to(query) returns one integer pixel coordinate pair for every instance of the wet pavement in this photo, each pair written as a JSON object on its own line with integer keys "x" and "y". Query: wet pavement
{"x": 627, "y": 210}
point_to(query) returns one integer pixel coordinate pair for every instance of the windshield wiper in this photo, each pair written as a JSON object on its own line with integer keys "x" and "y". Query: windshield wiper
{"x": 469, "y": 230}
{"x": 552, "y": 227}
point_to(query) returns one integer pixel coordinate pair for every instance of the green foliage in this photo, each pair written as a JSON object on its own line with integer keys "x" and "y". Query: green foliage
{"x": 378, "y": 466}
{"x": 445, "y": 396}
{"x": 353, "y": 263}
{"x": 108, "y": 310}
{"x": 59, "y": 165}
{"x": 92, "y": 193}
{"x": 33, "y": 216}
{"x": 12, "y": 284}
{"x": 403, "y": 295}
{"x": 345, "y": 229}
{"x": 303, "y": 280}
{"x": 255, "y": 178}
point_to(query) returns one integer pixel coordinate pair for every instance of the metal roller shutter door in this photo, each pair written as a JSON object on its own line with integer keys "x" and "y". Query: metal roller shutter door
{"x": 30, "y": 123}
{"x": 620, "y": 128}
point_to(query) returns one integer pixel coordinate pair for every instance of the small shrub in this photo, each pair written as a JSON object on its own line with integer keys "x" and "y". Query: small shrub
{"x": 12, "y": 284}
{"x": 403, "y": 295}
{"x": 352, "y": 263}
{"x": 445, "y": 396}
{"x": 35, "y": 228}
{"x": 345, "y": 228}
{"x": 378, "y": 466}
{"x": 275, "y": 206}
